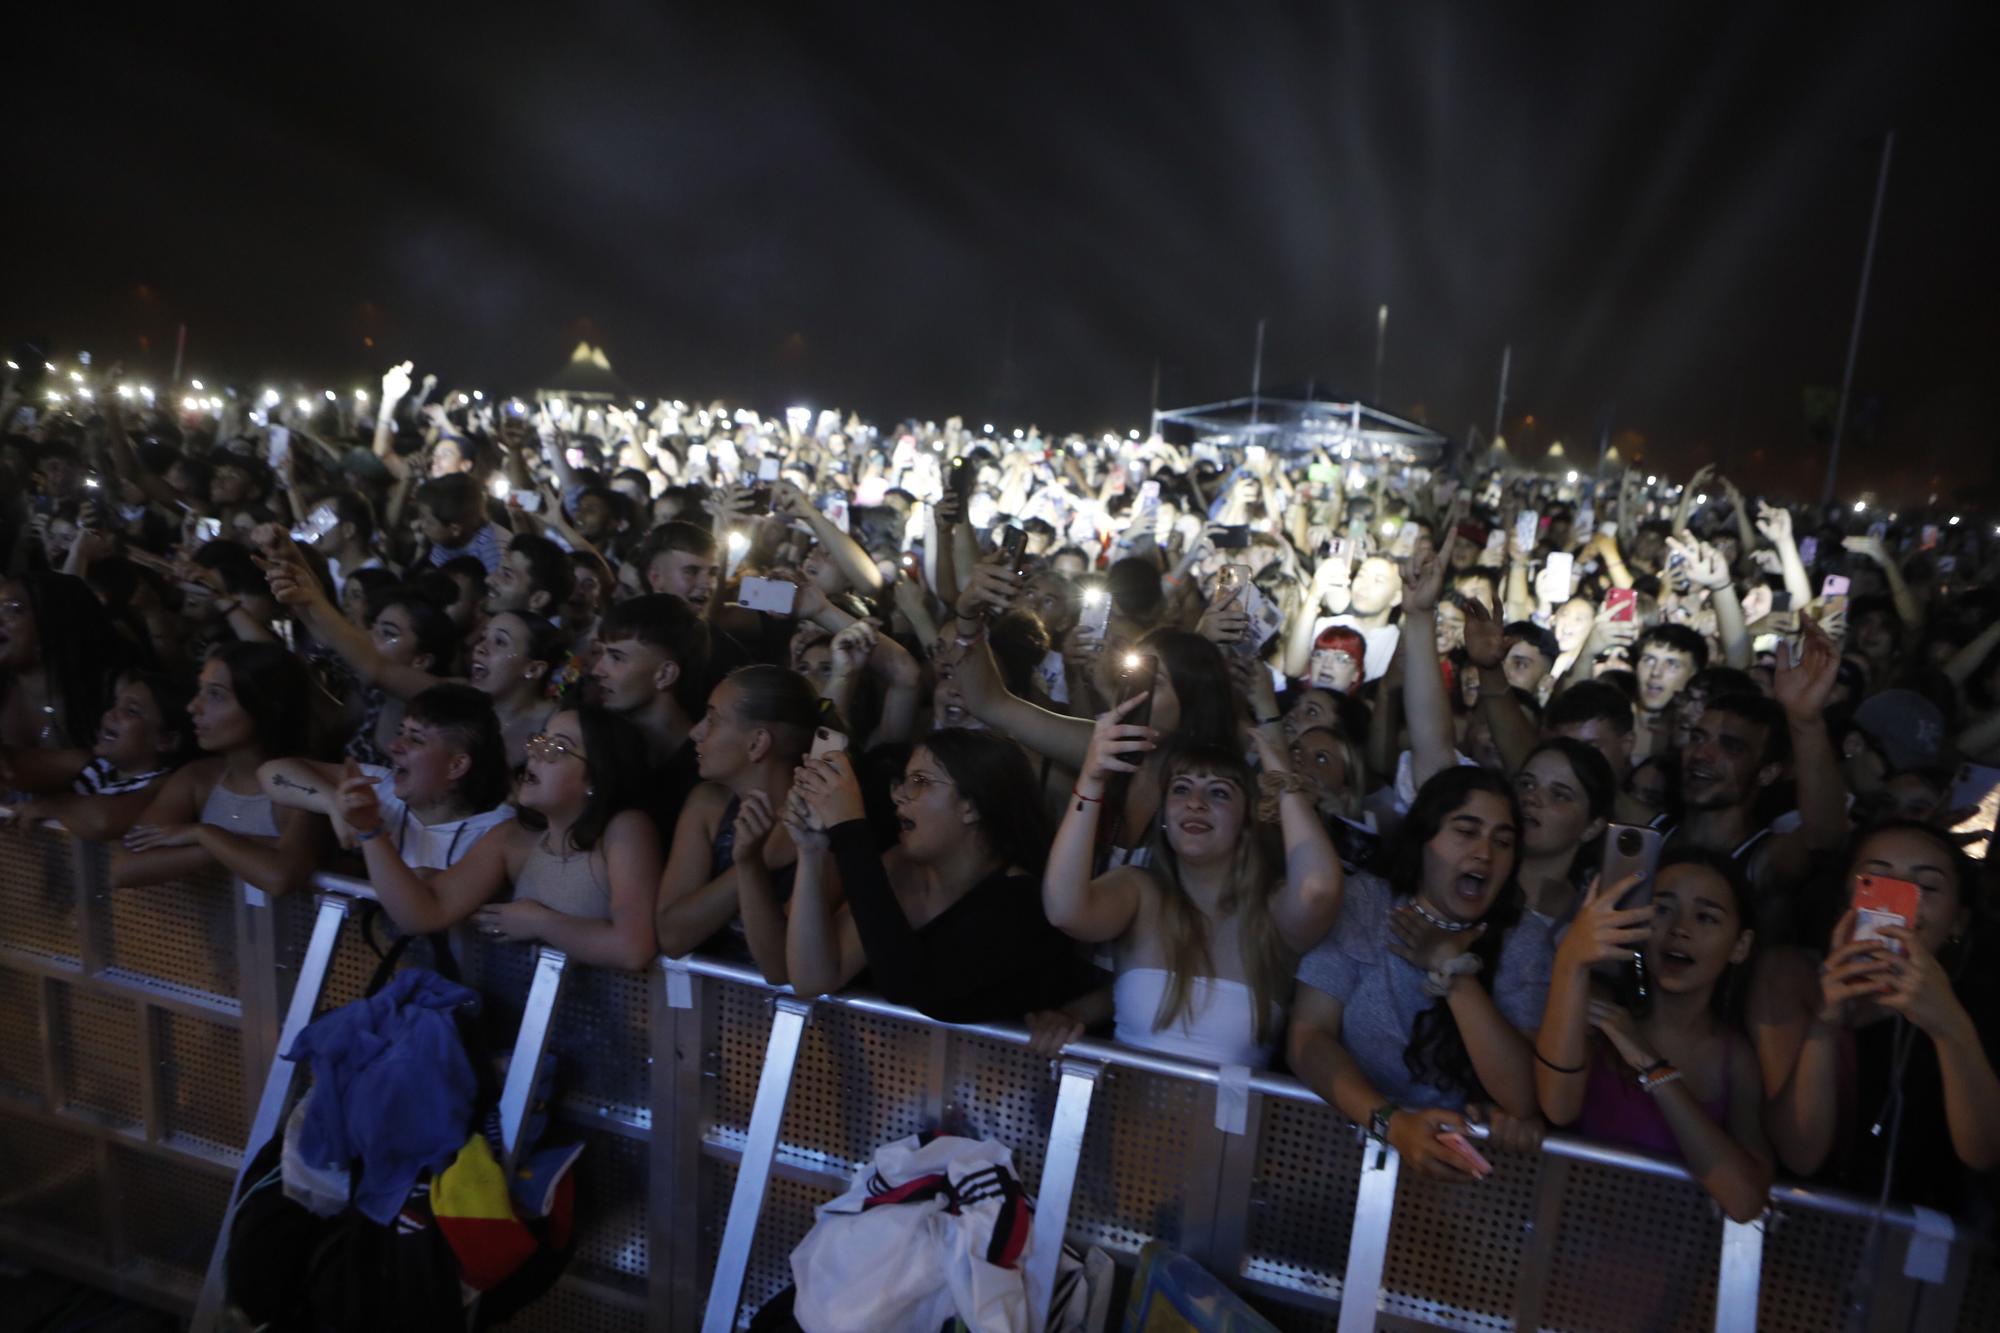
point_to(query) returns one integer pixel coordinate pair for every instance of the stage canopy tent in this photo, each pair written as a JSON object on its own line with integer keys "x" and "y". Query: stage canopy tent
{"x": 587, "y": 378}
{"x": 1294, "y": 420}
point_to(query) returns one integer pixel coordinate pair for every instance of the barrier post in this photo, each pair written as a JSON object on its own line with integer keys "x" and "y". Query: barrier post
{"x": 1737, "y": 1277}
{"x": 257, "y": 983}
{"x": 673, "y": 1280}
{"x": 753, "y": 1172}
{"x": 530, "y": 1044}
{"x": 277, "y": 1089}
{"x": 1059, "y": 1163}
{"x": 1368, "y": 1246}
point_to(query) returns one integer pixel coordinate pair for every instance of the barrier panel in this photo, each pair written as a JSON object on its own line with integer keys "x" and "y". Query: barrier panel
{"x": 137, "y": 1029}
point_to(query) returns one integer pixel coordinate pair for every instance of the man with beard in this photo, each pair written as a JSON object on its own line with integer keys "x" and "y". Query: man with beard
{"x": 1740, "y": 746}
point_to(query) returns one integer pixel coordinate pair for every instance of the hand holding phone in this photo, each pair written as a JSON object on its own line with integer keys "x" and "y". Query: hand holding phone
{"x": 1880, "y": 901}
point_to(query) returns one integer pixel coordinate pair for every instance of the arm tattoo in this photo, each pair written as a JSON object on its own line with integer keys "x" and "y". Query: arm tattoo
{"x": 280, "y": 780}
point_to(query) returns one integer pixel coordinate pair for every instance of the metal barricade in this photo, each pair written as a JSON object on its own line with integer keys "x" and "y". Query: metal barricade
{"x": 137, "y": 1029}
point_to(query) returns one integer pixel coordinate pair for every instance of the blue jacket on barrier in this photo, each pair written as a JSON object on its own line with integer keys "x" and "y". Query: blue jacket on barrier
{"x": 395, "y": 1088}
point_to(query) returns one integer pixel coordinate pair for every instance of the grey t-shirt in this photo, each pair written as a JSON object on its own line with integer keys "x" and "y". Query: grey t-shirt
{"x": 1382, "y": 995}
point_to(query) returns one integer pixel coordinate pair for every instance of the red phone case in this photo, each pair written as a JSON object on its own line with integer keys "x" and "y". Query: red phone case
{"x": 1880, "y": 901}
{"x": 1622, "y": 603}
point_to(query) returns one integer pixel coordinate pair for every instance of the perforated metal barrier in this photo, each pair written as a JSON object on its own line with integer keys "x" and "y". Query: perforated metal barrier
{"x": 137, "y": 1028}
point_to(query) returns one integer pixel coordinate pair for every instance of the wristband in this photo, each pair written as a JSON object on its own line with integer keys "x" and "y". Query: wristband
{"x": 1094, "y": 800}
{"x": 1658, "y": 1077}
{"x": 1438, "y": 983}
{"x": 369, "y": 836}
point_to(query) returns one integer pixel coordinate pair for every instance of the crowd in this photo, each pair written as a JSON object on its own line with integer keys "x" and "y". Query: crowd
{"x": 1465, "y": 792}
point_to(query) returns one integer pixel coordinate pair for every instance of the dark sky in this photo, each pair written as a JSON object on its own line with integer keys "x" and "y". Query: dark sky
{"x": 1016, "y": 216}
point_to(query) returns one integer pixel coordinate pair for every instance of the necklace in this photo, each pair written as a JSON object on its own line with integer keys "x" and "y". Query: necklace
{"x": 1449, "y": 927}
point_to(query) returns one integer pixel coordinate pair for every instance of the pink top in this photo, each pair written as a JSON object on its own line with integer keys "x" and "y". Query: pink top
{"x": 1617, "y": 1110}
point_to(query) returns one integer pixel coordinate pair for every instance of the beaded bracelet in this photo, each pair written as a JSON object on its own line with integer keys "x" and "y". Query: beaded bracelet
{"x": 1658, "y": 1077}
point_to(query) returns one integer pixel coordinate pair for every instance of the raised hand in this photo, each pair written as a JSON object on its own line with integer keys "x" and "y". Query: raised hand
{"x": 1803, "y": 690}
{"x": 851, "y": 648}
{"x": 754, "y": 821}
{"x": 1602, "y": 931}
{"x": 1703, "y": 564}
{"x": 1112, "y": 740}
{"x": 831, "y": 792}
{"x": 1869, "y": 548}
{"x": 1423, "y": 580}
{"x": 1774, "y": 523}
{"x": 396, "y": 385}
{"x": 1485, "y": 639}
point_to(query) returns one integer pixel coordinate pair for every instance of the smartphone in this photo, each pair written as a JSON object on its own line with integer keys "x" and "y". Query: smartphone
{"x": 767, "y": 469}
{"x": 1559, "y": 569}
{"x": 835, "y": 509}
{"x": 1462, "y": 1148}
{"x": 1405, "y": 544}
{"x": 773, "y": 595}
{"x": 1230, "y": 582}
{"x": 1623, "y": 603}
{"x": 207, "y": 529}
{"x": 963, "y": 477}
{"x": 827, "y": 741}
{"x": 1834, "y": 585}
{"x": 1140, "y": 670}
{"x": 1781, "y": 600}
{"x": 1012, "y": 543}
{"x": 1630, "y": 849}
{"x": 1232, "y": 537}
{"x": 1930, "y": 539}
{"x": 1880, "y": 901}
{"x": 1527, "y": 528}
{"x": 1975, "y": 800}
{"x": 1323, "y": 474}
{"x": 279, "y": 443}
{"x": 1096, "y": 615}
{"x": 1808, "y": 551}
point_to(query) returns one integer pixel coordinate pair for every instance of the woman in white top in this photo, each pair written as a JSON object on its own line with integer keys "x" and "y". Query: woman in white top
{"x": 446, "y": 783}
{"x": 249, "y": 706}
{"x": 574, "y": 868}
{"x": 1207, "y": 933}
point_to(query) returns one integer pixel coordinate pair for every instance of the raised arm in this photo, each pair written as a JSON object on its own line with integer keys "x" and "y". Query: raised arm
{"x": 395, "y": 387}
{"x": 1707, "y": 569}
{"x": 1426, "y": 708}
{"x": 1601, "y": 933}
{"x": 854, "y": 563}
{"x": 1104, "y": 907}
{"x": 295, "y": 587}
{"x": 1776, "y": 525}
{"x": 1305, "y": 909}
{"x": 1514, "y": 732}
{"x": 1802, "y": 691}
{"x": 1907, "y": 610}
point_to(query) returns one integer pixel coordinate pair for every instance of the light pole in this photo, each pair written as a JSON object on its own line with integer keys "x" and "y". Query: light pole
{"x": 1854, "y": 334}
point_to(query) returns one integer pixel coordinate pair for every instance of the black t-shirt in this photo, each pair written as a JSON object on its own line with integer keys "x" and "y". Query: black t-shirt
{"x": 992, "y": 956}
{"x": 666, "y": 788}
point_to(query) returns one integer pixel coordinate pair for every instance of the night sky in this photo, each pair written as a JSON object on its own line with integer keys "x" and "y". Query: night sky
{"x": 1017, "y": 216}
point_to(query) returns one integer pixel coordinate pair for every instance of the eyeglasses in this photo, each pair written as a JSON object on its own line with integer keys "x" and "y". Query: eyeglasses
{"x": 545, "y": 747}
{"x": 916, "y": 784}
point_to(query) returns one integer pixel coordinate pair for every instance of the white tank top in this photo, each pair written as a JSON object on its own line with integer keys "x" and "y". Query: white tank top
{"x": 1217, "y": 1027}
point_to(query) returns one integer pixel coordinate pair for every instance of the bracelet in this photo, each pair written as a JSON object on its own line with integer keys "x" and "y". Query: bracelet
{"x": 369, "y": 836}
{"x": 1658, "y": 1077}
{"x": 1547, "y": 1063}
{"x": 228, "y": 610}
{"x": 1094, "y": 800}
{"x": 1438, "y": 983}
{"x": 1267, "y": 721}
{"x": 1274, "y": 787}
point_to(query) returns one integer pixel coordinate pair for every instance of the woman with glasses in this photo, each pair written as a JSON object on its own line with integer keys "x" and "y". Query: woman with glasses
{"x": 573, "y": 869}
{"x": 949, "y": 920}
{"x": 759, "y": 723}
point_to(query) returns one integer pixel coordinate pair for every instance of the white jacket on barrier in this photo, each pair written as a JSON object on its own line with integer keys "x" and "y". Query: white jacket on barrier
{"x": 927, "y": 1231}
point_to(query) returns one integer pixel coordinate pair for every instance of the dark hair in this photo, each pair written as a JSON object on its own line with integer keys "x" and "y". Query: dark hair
{"x": 546, "y": 643}
{"x": 1730, "y": 993}
{"x": 614, "y": 771}
{"x": 1713, "y": 681}
{"x": 81, "y": 652}
{"x": 780, "y": 701}
{"x": 549, "y": 569}
{"x": 466, "y": 715}
{"x": 1436, "y": 1051}
{"x": 469, "y": 567}
{"x": 1592, "y": 769}
{"x": 271, "y": 686}
{"x": 1201, "y": 683}
{"x": 1591, "y": 701}
{"x": 373, "y": 580}
{"x": 993, "y": 775}
{"x": 1679, "y": 638}
{"x": 1535, "y": 636}
{"x": 437, "y": 637}
{"x": 680, "y": 535}
{"x": 171, "y": 695}
{"x": 454, "y": 500}
{"x": 662, "y": 620}
{"x": 354, "y": 507}
{"x": 1135, "y": 587}
{"x": 1759, "y": 710}
{"x": 1019, "y": 641}
{"x": 234, "y": 562}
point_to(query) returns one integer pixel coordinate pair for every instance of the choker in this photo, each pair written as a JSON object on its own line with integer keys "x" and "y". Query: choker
{"x": 1449, "y": 927}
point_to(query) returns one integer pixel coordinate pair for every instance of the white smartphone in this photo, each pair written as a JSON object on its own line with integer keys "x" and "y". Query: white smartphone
{"x": 767, "y": 470}
{"x": 773, "y": 595}
{"x": 1559, "y": 569}
{"x": 826, "y": 740}
{"x": 1096, "y": 615}
{"x": 1527, "y": 528}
